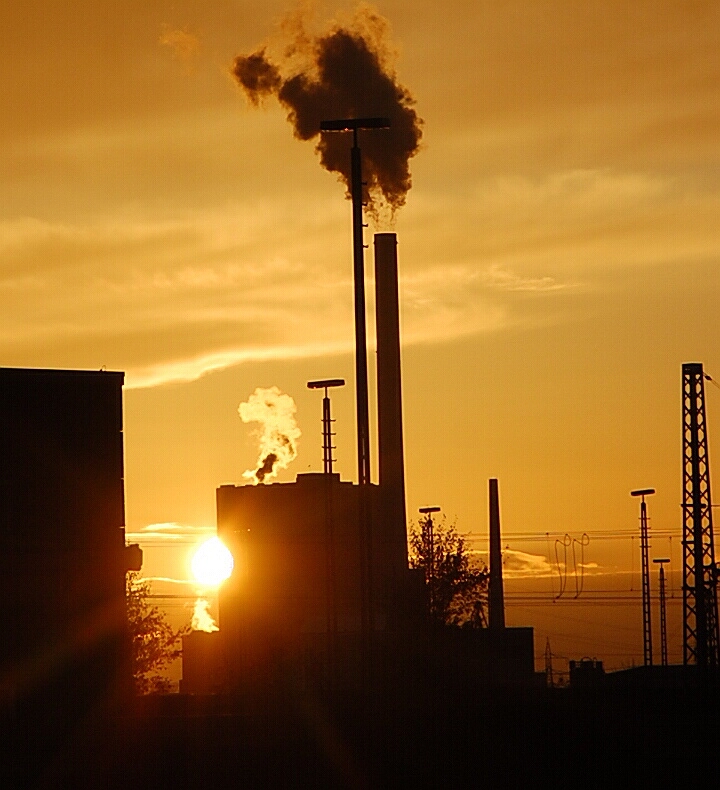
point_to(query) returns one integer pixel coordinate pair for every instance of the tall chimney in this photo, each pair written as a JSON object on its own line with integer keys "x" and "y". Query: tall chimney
{"x": 389, "y": 398}
{"x": 495, "y": 594}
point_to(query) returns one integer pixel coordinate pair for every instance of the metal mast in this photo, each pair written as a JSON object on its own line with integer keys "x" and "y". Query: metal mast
{"x": 644, "y": 552}
{"x": 361, "y": 367}
{"x": 663, "y": 614}
{"x": 700, "y": 607}
{"x": 361, "y": 372}
{"x": 330, "y": 572}
{"x": 327, "y": 420}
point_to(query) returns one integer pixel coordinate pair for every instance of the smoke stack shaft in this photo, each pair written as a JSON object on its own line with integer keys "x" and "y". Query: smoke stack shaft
{"x": 389, "y": 395}
{"x": 495, "y": 593}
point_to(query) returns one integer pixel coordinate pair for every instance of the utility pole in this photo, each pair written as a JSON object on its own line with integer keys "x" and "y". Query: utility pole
{"x": 644, "y": 552}
{"x": 356, "y": 192}
{"x": 700, "y": 606}
{"x": 663, "y": 614}
{"x": 361, "y": 369}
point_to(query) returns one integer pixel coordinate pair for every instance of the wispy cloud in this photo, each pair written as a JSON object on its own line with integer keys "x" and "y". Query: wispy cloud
{"x": 170, "y": 300}
{"x": 182, "y": 42}
{"x": 170, "y": 532}
{"x": 520, "y": 564}
{"x": 168, "y": 580}
{"x": 200, "y": 295}
{"x": 506, "y": 280}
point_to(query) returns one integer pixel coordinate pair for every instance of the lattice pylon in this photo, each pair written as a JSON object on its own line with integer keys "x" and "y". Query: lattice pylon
{"x": 700, "y": 608}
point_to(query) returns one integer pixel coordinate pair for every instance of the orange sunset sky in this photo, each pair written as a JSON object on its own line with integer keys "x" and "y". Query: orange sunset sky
{"x": 558, "y": 250}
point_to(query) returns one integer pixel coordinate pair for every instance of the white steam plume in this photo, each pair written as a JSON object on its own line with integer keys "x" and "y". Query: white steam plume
{"x": 279, "y": 432}
{"x": 202, "y": 620}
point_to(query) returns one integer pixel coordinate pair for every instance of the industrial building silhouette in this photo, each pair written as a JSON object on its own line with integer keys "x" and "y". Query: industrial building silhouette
{"x": 293, "y": 604}
{"x": 321, "y": 587}
{"x": 62, "y": 535}
{"x": 65, "y": 665}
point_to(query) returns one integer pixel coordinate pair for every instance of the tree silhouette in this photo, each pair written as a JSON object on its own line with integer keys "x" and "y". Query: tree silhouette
{"x": 456, "y": 582}
{"x": 155, "y": 643}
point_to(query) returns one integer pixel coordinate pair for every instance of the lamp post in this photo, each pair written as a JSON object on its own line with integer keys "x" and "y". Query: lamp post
{"x": 644, "y": 548}
{"x": 361, "y": 374}
{"x": 326, "y": 420}
{"x": 356, "y": 193}
{"x": 330, "y": 571}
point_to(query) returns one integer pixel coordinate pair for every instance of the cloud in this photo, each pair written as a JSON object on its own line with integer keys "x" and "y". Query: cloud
{"x": 184, "y": 44}
{"x": 523, "y": 565}
{"x": 505, "y": 280}
{"x": 170, "y": 300}
{"x": 520, "y": 564}
{"x": 170, "y": 532}
{"x": 223, "y": 262}
{"x": 173, "y": 300}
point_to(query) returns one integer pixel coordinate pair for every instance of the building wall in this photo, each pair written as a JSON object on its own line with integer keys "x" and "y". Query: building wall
{"x": 279, "y": 534}
{"x": 273, "y": 611}
{"x": 62, "y": 538}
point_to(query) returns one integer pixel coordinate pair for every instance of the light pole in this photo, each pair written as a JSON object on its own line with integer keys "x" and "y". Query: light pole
{"x": 330, "y": 573}
{"x": 326, "y": 419}
{"x": 356, "y": 193}
{"x": 361, "y": 373}
{"x": 644, "y": 548}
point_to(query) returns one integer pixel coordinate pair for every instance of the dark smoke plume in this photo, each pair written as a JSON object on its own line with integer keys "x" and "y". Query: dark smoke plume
{"x": 266, "y": 467}
{"x": 346, "y": 75}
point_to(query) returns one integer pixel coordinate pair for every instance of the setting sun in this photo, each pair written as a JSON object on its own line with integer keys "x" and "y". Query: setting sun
{"x": 212, "y": 563}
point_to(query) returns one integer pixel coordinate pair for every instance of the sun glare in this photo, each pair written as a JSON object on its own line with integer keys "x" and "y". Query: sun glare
{"x": 212, "y": 563}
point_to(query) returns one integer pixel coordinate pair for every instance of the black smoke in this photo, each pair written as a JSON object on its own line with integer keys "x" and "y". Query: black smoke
{"x": 267, "y": 467}
{"x": 346, "y": 75}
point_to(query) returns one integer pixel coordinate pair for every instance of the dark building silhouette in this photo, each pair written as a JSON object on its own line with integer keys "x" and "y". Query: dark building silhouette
{"x": 293, "y": 605}
{"x": 586, "y": 673}
{"x": 65, "y": 645}
{"x": 313, "y": 558}
{"x": 298, "y": 577}
{"x": 204, "y": 670}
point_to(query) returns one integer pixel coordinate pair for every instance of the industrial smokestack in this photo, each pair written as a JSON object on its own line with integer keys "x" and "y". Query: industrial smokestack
{"x": 495, "y": 594}
{"x": 389, "y": 398}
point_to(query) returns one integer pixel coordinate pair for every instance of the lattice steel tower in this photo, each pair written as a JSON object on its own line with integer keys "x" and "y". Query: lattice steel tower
{"x": 700, "y": 607}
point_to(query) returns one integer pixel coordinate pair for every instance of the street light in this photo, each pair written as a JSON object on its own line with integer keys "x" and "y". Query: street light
{"x": 356, "y": 193}
{"x": 361, "y": 371}
{"x": 644, "y": 547}
{"x": 326, "y": 419}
